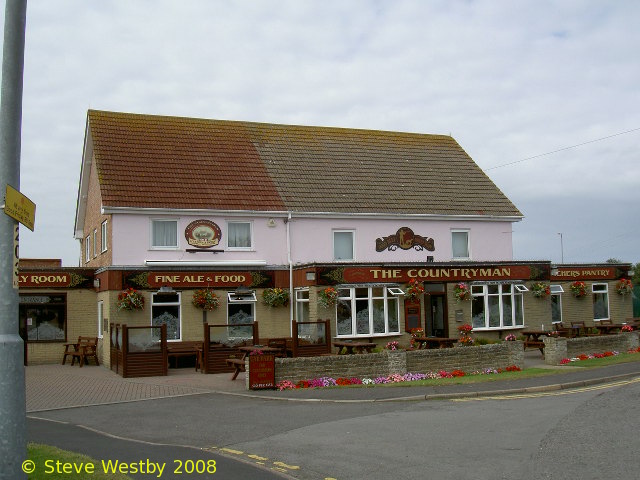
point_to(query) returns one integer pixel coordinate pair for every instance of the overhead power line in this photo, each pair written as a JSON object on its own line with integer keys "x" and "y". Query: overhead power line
{"x": 563, "y": 149}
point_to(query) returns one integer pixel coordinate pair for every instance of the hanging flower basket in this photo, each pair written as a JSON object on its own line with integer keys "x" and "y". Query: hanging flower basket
{"x": 327, "y": 297}
{"x": 465, "y": 338}
{"x": 624, "y": 287}
{"x": 130, "y": 299}
{"x": 462, "y": 292}
{"x": 205, "y": 299}
{"x": 540, "y": 290}
{"x": 414, "y": 290}
{"x": 275, "y": 297}
{"x": 579, "y": 289}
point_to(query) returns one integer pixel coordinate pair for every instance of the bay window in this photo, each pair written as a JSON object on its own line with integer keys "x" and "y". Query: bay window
{"x": 497, "y": 306}
{"x": 367, "y": 311}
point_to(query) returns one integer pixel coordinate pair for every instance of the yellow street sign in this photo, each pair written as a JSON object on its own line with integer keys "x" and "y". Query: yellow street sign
{"x": 19, "y": 207}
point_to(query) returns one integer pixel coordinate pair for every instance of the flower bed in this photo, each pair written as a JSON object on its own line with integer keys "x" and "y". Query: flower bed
{"x": 394, "y": 378}
{"x": 583, "y": 356}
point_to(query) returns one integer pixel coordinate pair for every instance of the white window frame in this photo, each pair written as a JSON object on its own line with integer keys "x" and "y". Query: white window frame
{"x": 467, "y": 231}
{"x": 100, "y": 317}
{"x": 248, "y": 299}
{"x": 240, "y": 222}
{"x": 152, "y": 222}
{"x": 178, "y": 304}
{"x": 596, "y": 293}
{"x": 481, "y": 291}
{"x": 556, "y": 295}
{"x": 103, "y": 232}
{"x": 87, "y": 249}
{"x": 302, "y": 302}
{"x": 95, "y": 242}
{"x": 353, "y": 245}
{"x": 351, "y": 300}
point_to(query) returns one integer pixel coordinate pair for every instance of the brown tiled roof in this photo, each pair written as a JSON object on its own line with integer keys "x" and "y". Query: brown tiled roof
{"x": 172, "y": 162}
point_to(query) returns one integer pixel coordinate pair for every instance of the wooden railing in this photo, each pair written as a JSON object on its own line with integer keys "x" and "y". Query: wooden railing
{"x": 221, "y": 341}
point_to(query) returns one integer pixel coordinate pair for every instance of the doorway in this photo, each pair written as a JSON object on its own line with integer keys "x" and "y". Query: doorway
{"x": 436, "y": 315}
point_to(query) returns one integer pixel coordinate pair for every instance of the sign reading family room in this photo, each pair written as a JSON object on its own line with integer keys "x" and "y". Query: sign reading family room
{"x": 203, "y": 234}
{"x": 405, "y": 239}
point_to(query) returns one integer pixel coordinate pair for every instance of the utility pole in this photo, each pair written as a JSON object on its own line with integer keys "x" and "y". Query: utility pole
{"x": 13, "y": 438}
{"x": 561, "y": 249}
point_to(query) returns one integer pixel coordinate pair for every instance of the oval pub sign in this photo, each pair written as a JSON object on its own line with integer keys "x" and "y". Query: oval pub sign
{"x": 202, "y": 234}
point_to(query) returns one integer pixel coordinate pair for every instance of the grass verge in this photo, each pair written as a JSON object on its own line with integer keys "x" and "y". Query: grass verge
{"x": 46, "y": 456}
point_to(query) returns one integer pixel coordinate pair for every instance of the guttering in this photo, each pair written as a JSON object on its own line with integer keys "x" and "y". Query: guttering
{"x": 281, "y": 214}
{"x": 223, "y": 263}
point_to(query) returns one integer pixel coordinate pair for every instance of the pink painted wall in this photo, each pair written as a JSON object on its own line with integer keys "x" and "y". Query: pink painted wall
{"x": 312, "y": 239}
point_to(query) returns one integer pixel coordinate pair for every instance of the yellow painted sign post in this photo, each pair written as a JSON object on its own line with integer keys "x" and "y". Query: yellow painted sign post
{"x": 20, "y": 208}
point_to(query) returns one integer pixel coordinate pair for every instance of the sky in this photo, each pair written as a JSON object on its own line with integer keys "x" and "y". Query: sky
{"x": 543, "y": 95}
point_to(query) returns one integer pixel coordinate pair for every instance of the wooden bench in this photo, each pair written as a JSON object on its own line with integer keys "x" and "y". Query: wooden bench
{"x": 185, "y": 349}
{"x": 237, "y": 364}
{"x": 83, "y": 349}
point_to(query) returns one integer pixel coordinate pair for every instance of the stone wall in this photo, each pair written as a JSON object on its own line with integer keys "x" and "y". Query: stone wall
{"x": 558, "y": 348}
{"x": 385, "y": 363}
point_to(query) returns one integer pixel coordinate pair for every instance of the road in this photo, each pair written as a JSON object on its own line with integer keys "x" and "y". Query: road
{"x": 591, "y": 433}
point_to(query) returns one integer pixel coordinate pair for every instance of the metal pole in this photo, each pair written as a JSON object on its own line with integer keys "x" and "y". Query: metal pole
{"x": 13, "y": 439}
{"x": 561, "y": 249}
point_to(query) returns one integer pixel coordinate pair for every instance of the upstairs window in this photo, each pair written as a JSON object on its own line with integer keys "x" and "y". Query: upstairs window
{"x": 460, "y": 244}
{"x": 103, "y": 237}
{"x": 164, "y": 234}
{"x": 87, "y": 248}
{"x": 343, "y": 245}
{"x": 239, "y": 235}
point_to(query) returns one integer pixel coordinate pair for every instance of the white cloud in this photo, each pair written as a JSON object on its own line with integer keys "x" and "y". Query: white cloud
{"x": 509, "y": 80}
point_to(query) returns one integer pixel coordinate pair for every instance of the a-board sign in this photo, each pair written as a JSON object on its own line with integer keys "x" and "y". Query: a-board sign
{"x": 262, "y": 371}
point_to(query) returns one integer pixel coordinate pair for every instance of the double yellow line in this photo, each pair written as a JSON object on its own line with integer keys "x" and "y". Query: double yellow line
{"x": 553, "y": 393}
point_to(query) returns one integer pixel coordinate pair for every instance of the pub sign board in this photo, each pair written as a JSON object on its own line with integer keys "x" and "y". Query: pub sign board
{"x": 262, "y": 372}
{"x": 203, "y": 234}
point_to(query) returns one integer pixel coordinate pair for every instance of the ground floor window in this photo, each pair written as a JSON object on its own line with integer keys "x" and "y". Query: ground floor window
{"x": 496, "y": 306}
{"x": 302, "y": 304}
{"x": 100, "y": 318}
{"x": 241, "y": 311}
{"x": 367, "y": 311}
{"x": 43, "y": 318}
{"x": 600, "y": 301}
{"x": 556, "y": 303}
{"x": 165, "y": 309}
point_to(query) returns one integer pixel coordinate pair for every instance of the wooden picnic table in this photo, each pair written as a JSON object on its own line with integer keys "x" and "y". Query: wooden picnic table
{"x": 607, "y": 328}
{"x": 238, "y": 363}
{"x": 354, "y": 347}
{"x": 435, "y": 342}
{"x": 534, "y": 338}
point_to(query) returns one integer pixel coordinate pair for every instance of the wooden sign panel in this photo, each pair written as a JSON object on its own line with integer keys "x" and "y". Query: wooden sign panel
{"x": 262, "y": 372}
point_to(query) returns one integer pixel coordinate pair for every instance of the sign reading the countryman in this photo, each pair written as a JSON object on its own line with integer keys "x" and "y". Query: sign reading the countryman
{"x": 19, "y": 207}
{"x": 202, "y": 234}
{"x": 406, "y": 240}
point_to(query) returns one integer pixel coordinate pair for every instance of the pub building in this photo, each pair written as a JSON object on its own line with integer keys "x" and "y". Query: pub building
{"x": 376, "y": 232}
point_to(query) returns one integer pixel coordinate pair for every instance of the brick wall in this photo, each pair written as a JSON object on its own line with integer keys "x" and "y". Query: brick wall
{"x": 556, "y": 349}
{"x": 373, "y": 365}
